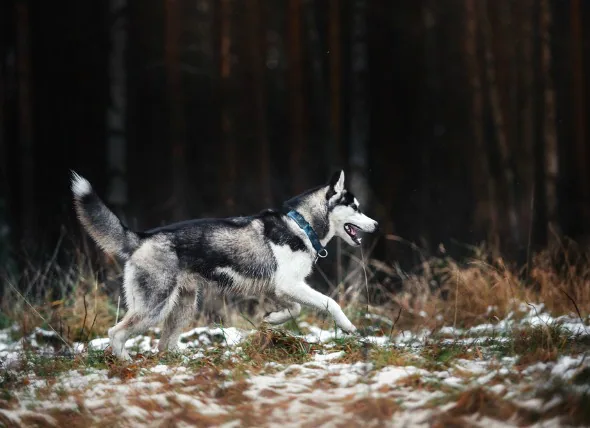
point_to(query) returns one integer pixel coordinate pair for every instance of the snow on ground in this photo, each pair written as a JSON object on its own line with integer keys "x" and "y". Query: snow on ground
{"x": 326, "y": 391}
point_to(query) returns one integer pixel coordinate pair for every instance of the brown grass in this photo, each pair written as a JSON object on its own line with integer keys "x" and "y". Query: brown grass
{"x": 277, "y": 345}
{"x": 483, "y": 403}
{"x": 69, "y": 300}
{"x": 447, "y": 421}
{"x": 195, "y": 418}
{"x": 481, "y": 289}
{"x": 369, "y": 408}
{"x": 233, "y": 394}
{"x": 539, "y": 344}
{"x": 573, "y": 409}
{"x": 325, "y": 382}
{"x": 357, "y": 351}
{"x": 462, "y": 296}
{"x": 485, "y": 289}
{"x": 574, "y": 405}
{"x": 417, "y": 382}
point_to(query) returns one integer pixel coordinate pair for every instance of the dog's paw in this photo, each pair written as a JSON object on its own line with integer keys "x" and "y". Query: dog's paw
{"x": 125, "y": 356}
{"x": 273, "y": 318}
{"x": 363, "y": 332}
{"x": 350, "y": 329}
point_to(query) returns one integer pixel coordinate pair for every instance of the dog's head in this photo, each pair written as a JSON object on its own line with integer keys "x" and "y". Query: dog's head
{"x": 344, "y": 213}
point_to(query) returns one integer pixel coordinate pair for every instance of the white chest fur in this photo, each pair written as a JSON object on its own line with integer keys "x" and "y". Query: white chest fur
{"x": 292, "y": 266}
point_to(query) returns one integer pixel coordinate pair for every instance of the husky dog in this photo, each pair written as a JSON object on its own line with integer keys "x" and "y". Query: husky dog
{"x": 270, "y": 253}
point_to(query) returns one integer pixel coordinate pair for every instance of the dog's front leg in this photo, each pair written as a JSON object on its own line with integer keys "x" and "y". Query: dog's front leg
{"x": 305, "y": 295}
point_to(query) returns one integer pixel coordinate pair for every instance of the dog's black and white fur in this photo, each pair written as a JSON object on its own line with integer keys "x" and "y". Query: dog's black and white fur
{"x": 268, "y": 254}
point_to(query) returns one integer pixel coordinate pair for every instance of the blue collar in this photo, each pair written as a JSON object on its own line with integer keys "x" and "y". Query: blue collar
{"x": 306, "y": 227}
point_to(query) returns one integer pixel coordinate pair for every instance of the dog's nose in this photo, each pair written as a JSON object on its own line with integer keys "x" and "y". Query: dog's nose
{"x": 376, "y": 227}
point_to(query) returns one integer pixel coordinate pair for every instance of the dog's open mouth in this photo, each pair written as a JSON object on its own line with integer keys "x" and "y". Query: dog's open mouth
{"x": 352, "y": 231}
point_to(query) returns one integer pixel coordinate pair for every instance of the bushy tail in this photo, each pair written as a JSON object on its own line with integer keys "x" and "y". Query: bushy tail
{"x": 100, "y": 222}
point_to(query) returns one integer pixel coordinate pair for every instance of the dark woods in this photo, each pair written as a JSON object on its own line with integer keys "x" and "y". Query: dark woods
{"x": 457, "y": 121}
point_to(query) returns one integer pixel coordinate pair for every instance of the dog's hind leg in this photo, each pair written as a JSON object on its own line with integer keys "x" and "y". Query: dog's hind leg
{"x": 291, "y": 311}
{"x": 180, "y": 315}
{"x": 150, "y": 295}
{"x": 131, "y": 323}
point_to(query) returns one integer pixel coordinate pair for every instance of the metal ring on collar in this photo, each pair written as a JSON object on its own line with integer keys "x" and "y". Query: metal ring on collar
{"x": 323, "y": 253}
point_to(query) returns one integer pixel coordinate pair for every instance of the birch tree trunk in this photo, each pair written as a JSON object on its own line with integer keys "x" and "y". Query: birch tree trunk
{"x": 551, "y": 157}
{"x": 117, "y": 193}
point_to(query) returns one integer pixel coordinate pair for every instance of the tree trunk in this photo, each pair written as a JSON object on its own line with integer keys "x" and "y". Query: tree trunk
{"x": 430, "y": 115}
{"x": 204, "y": 32}
{"x": 359, "y": 118}
{"x": 507, "y": 172}
{"x": 229, "y": 170}
{"x": 486, "y": 215}
{"x": 335, "y": 157}
{"x": 117, "y": 111}
{"x": 527, "y": 119}
{"x": 295, "y": 62}
{"x": 257, "y": 42}
{"x": 578, "y": 91}
{"x": 359, "y": 108}
{"x": 3, "y": 147}
{"x": 551, "y": 159}
{"x": 319, "y": 102}
{"x": 177, "y": 122}
{"x": 335, "y": 85}
{"x": 5, "y": 225}
{"x": 25, "y": 124}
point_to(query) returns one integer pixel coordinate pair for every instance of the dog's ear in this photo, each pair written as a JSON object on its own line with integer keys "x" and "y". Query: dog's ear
{"x": 337, "y": 182}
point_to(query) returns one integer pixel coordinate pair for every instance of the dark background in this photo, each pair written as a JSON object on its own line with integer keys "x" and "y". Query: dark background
{"x": 456, "y": 121}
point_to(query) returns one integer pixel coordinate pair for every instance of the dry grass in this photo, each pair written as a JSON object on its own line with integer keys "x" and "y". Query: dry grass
{"x": 357, "y": 351}
{"x": 573, "y": 407}
{"x": 440, "y": 291}
{"x": 483, "y": 289}
{"x": 276, "y": 345}
{"x": 541, "y": 343}
{"x": 481, "y": 402}
{"x": 417, "y": 382}
{"x": 370, "y": 408}
{"x": 439, "y": 356}
{"x": 480, "y": 290}
{"x": 233, "y": 394}
{"x": 72, "y": 302}
{"x": 574, "y": 400}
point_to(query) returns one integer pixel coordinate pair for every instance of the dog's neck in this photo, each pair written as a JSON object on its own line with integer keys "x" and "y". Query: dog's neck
{"x": 312, "y": 206}
{"x": 324, "y": 238}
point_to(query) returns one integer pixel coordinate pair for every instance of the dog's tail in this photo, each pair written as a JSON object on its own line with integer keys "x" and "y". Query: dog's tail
{"x": 100, "y": 222}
